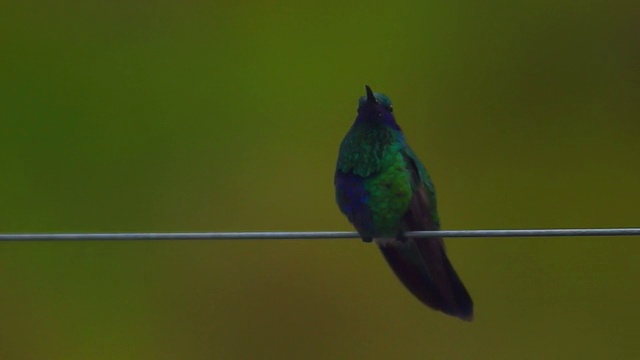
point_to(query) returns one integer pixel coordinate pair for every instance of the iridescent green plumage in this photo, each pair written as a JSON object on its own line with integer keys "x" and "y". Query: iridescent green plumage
{"x": 384, "y": 190}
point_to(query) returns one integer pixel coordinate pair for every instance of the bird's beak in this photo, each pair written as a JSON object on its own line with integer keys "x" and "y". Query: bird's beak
{"x": 370, "y": 97}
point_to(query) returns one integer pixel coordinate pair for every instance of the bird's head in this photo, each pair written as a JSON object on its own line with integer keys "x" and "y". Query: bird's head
{"x": 376, "y": 108}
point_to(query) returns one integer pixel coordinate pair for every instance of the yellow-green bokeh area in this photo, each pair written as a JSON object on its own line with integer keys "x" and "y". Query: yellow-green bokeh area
{"x": 214, "y": 116}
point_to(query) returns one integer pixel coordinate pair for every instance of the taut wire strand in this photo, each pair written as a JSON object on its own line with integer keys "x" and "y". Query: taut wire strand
{"x": 284, "y": 235}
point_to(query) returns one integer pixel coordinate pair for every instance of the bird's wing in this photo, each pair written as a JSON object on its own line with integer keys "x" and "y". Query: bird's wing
{"x": 421, "y": 263}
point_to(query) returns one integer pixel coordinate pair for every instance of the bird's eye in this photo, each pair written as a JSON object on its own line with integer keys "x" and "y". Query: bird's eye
{"x": 390, "y": 108}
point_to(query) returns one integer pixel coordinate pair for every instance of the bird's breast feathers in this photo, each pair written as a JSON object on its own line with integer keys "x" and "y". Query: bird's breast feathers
{"x": 376, "y": 204}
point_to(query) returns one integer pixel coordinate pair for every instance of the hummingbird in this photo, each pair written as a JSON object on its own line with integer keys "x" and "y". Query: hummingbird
{"x": 384, "y": 191}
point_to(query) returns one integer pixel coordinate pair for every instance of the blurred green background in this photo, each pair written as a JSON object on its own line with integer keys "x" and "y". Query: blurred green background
{"x": 226, "y": 116}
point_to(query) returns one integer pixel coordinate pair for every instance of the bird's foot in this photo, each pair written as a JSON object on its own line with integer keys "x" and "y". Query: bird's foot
{"x": 367, "y": 239}
{"x": 402, "y": 238}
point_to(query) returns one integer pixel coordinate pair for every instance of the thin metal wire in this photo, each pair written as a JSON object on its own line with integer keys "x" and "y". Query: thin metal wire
{"x": 284, "y": 235}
